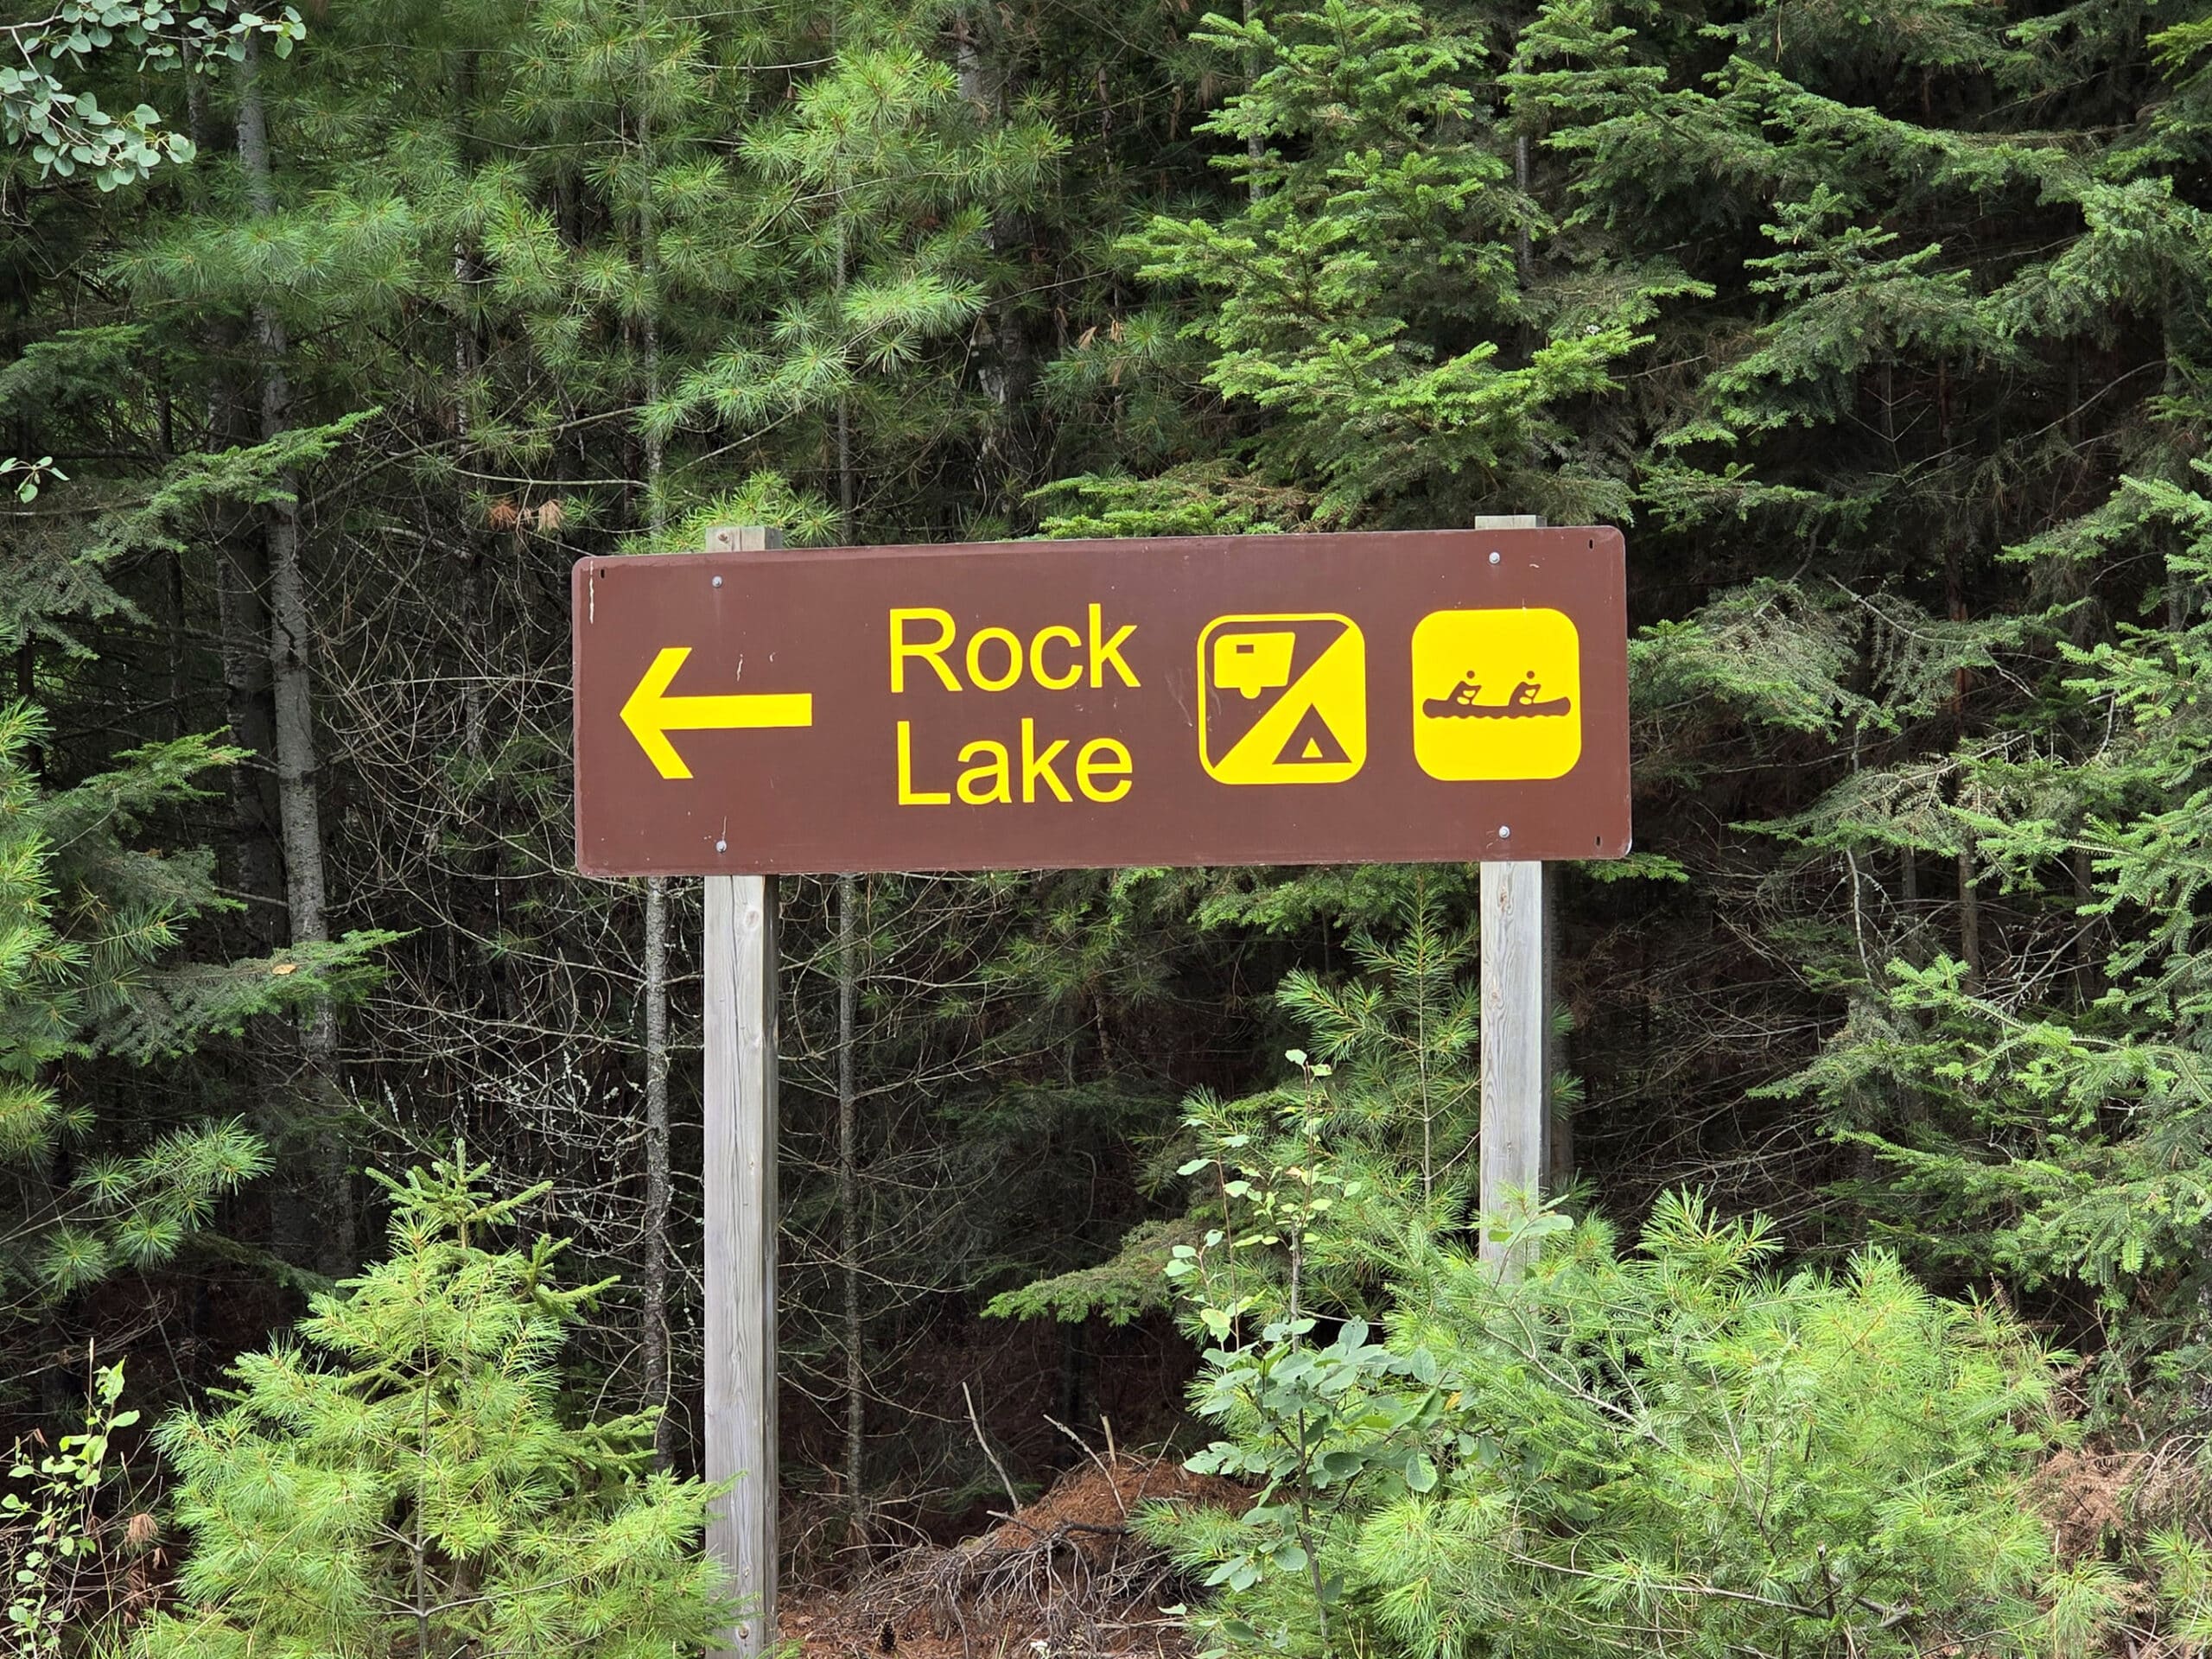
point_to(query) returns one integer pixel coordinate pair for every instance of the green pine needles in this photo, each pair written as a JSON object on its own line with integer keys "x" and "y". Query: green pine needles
{"x": 1679, "y": 1448}
{"x": 89, "y": 928}
{"x": 404, "y": 1483}
{"x": 1370, "y": 303}
{"x": 1668, "y": 1450}
{"x": 2055, "y": 1124}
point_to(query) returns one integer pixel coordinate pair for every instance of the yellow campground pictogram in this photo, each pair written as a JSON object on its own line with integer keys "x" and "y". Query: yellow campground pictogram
{"x": 1497, "y": 695}
{"x": 1282, "y": 699}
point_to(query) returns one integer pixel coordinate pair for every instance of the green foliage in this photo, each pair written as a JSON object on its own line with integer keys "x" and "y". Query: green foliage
{"x": 789, "y": 260}
{"x": 404, "y": 1481}
{"x": 2184, "y": 1565}
{"x": 87, "y": 924}
{"x": 1198, "y": 498}
{"x": 881, "y": 146}
{"x": 1828, "y": 305}
{"x": 1126, "y": 1286}
{"x": 2056, "y": 1135}
{"x": 1391, "y": 1084}
{"x": 29, "y": 474}
{"x": 1612, "y": 1451}
{"x": 64, "y": 126}
{"x": 50, "y": 1532}
{"x": 1367, "y": 298}
{"x": 1932, "y": 235}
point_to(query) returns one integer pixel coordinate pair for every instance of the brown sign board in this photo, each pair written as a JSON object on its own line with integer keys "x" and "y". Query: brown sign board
{"x": 1403, "y": 696}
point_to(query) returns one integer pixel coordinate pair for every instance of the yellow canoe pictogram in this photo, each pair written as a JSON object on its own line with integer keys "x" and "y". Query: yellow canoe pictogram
{"x": 1497, "y": 695}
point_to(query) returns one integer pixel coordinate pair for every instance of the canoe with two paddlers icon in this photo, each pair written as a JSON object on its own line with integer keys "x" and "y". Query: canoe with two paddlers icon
{"x": 1526, "y": 701}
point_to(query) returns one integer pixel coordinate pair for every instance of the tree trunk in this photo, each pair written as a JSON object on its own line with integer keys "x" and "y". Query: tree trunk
{"x": 179, "y": 622}
{"x": 1970, "y": 917}
{"x": 1006, "y": 367}
{"x": 1969, "y": 899}
{"x": 843, "y": 435}
{"x": 291, "y": 685}
{"x": 1256, "y": 149}
{"x": 2089, "y": 961}
{"x": 655, "y": 1243}
{"x": 253, "y": 865}
{"x": 474, "y": 635}
{"x": 848, "y": 1203}
{"x": 654, "y": 1287}
{"x": 242, "y": 607}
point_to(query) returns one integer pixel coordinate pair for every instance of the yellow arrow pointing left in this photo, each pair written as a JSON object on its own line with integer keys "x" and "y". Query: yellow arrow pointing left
{"x": 652, "y": 714}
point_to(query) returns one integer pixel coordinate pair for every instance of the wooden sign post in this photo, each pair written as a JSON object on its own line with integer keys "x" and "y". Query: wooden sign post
{"x": 1515, "y": 1023}
{"x": 738, "y": 958}
{"x": 1408, "y": 697}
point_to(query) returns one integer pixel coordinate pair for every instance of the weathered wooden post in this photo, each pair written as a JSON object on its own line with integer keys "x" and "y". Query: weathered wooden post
{"x": 1513, "y": 1080}
{"x": 1515, "y": 1019}
{"x": 739, "y": 960}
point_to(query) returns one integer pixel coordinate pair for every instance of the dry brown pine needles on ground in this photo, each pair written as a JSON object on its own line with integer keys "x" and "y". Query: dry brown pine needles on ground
{"x": 1067, "y": 1576}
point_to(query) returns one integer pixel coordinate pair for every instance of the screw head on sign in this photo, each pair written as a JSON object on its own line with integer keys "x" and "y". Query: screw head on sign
{"x": 721, "y": 846}
{"x": 1493, "y": 556}
{"x": 718, "y": 581}
{"x": 1505, "y": 832}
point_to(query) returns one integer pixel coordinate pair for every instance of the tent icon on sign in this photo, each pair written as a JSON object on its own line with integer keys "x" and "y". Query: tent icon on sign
{"x": 1283, "y": 699}
{"x": 1312, "y": 742}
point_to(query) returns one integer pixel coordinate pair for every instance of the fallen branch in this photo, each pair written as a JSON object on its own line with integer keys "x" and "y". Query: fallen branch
{"x": 1013, "y": 1498}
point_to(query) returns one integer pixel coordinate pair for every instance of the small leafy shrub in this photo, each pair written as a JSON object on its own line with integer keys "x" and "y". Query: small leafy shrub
{"x": 401, "y": 1483}
{"x": 60, "y": 1556}
{"x": 1671, "y": 1450}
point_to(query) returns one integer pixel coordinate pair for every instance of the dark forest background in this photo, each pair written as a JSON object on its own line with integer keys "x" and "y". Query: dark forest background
{"x": 1879, "y": 326}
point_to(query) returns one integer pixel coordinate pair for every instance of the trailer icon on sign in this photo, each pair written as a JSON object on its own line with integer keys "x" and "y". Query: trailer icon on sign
{"x": 1312, "y": 730}
{"x": 1252, "y": 663}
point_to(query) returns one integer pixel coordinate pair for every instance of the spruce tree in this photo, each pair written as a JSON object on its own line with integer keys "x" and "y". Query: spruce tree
{"x": 1373, "y": 300}
{"x": 89, "y": 925}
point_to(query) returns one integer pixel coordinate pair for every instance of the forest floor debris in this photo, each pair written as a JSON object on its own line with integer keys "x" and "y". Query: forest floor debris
{"x": 1067, "y": 1576}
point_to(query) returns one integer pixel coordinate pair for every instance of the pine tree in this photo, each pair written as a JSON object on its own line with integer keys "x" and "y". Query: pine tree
{"x": 404, "y": 1481}
{"x": 881, "y": 177}
{"x": 1678, "y": 1445}
{"x": 1619, "y": 1450}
